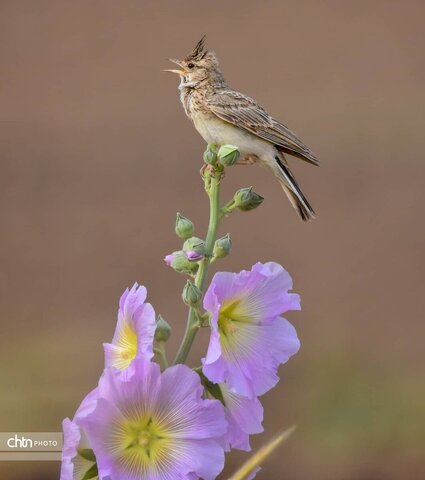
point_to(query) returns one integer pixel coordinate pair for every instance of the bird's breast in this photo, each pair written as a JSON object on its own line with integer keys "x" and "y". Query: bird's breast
{"x": 211, "y": 129}
{"x": 217, "y": 131}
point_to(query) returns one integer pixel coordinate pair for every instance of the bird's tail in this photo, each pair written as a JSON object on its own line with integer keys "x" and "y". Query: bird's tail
{"x": 293, "y": 191}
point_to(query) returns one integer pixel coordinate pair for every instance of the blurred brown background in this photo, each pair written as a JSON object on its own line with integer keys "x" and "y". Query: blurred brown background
{"x": 97, "y": 156}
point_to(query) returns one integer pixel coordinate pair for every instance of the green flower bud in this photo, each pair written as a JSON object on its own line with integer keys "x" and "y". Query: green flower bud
{"x": 210, "y": 154}
{"x": 184, "y": 227}
{"x": 228, "y": 155}
{"x": 246, "y": 199}
{"x": 195, "y": 244}
{"x": 222, "y": 247}
{"x": 180, "y": 263}
{"x": 191, "y": 294}
{"x": 163, "y": 330}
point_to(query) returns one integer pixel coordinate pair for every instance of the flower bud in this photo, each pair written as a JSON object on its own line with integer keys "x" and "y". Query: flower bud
{"x": 191, "y": 294}
{"x": 228, "y": 155}
{"x": 169, "y": 259}
{"x": 193, "y": 256}
{"x": 180, "y": 263}
{"x": 222, "y": 247}
{"x": 163, "y": 330}
{"x": 195, "y": 244}
{"x": 246, "y": 199}
{"x": 210, "y": 154}
{"x": 184, "y": 227}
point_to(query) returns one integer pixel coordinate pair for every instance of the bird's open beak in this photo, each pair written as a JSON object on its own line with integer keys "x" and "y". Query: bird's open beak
{"x": 179, "y": 72}
{"x": 177, "y": 62}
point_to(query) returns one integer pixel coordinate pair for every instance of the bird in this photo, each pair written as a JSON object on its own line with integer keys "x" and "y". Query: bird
{"x": 223, "y": 116}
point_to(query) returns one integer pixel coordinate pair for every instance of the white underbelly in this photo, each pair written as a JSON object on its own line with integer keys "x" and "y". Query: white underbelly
{"x": 219, "y": 132}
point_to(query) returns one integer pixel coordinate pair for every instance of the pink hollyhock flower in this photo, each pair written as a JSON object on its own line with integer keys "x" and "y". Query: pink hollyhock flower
{"x": 155, "y": 426}
{"x": 244, "y": 416}
{"x": 78, "y": 460}
{"x": 249, "y": 339}
{"x": 134, "y": 332}
{"x": 71, "y": 440}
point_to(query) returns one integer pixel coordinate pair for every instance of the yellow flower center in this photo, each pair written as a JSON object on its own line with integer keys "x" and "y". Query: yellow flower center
{"x": 234, "y": 324}
{"x": 126, "y": 348}
{"x": 144, "y": 443}
{"x": 226, "y": 325}
{"x": 229, "y": 319}
{"x": 144, "y": 438}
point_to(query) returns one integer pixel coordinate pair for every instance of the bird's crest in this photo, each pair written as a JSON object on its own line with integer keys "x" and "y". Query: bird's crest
{"x": 199, "y": 51}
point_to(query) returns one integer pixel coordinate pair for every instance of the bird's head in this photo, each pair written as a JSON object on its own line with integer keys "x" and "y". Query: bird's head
{"x": 199, "y": 66}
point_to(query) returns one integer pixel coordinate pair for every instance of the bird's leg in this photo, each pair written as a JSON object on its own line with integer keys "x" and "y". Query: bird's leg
{"x": 246, "y": 160}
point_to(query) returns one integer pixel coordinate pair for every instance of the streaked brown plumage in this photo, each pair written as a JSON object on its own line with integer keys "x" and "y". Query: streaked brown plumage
{"x": 223, "y": 116}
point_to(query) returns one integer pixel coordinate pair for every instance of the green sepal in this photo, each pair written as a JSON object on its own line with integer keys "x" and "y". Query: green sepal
{"x": 222, "y": 246}
{"x": 210, "y": 154}
{"x": 246, "y": 199}
{"x": 212, "y": 388}
{"x": 91, "y": 473}
{"x": 191, "y": 295}
{"x": 181, "y": 264}
{"x": 163, "y": 329}
{"x": 184, "y": 227}
{"x": 228, "y": 155}
{"x": 196, "y": 244}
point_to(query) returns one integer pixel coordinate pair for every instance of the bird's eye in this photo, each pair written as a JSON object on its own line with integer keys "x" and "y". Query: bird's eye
{"x": 190, "y": 65}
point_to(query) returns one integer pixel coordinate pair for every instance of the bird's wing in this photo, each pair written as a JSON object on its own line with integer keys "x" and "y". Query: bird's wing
{"x": 244, "y": 112}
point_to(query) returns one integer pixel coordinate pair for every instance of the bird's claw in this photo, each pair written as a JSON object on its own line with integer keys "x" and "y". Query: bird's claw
{"x": 247, "y": 160}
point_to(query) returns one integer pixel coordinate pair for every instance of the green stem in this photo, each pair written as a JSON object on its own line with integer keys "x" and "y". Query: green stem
{"x": 162, "y": 355}
{"x": 228, "y": 208}
{"x": 193, "y": 321}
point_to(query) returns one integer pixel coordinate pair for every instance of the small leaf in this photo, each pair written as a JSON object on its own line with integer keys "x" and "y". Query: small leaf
{"x": 91, "y": 473}
{"x": 87, "y": 454}
{"x": 228, "y": 155}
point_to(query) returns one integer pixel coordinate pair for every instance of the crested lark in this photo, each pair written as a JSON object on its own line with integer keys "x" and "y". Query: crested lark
{"x": 224, "y": 116}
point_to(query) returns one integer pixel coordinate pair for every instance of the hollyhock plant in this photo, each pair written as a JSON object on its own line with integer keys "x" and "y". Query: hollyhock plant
{"x": 249, "y": 339}
{"x": 152, "y": 419}
{"x": 134, "y": 332}
{"x": 152, "y": 425}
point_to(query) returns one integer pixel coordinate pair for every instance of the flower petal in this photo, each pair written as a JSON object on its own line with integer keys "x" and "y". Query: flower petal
{"x": 98, "y": 426}
{"x": 135, "y": 330}
{"x": 208, "y": 458}
{"x": 152, "y": 426}
{"x": 245, "y": 417}
{"x": 248, "y": 338}
{"x": 71, "y": 439}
